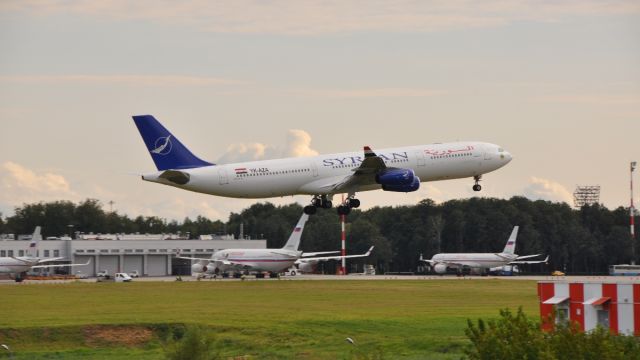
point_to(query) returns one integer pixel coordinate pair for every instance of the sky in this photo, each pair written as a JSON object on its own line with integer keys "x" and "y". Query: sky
{"x": 556, "y": 83}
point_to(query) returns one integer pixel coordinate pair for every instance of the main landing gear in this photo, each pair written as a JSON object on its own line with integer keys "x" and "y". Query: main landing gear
{"x": 348, "y": 204}
{"x": 324, "y": 201}
{"x": 477, "y": 186}
{"x": 318, "y": 201}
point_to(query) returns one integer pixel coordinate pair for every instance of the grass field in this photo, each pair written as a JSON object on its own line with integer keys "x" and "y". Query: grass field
{"x": 266, "y": 319}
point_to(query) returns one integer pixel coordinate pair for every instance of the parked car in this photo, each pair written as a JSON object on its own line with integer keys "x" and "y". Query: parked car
{"x": 81, "y": 275}
{"x": 557, "y": 273}
{"x": 134, "y": 274}
{"x": 122, "y": 277}
{"x": 103, "y": 273}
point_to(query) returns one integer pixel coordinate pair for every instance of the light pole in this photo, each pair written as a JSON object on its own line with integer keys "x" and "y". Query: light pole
{"x": 632, "y": 216}
{"x": 70, "y": 227}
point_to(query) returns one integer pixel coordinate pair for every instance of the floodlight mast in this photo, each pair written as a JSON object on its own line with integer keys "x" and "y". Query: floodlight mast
{"x": 632, "y": 216}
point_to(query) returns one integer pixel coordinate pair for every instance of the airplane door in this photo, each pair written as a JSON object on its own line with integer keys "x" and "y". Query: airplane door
{"x": 222, "y": 175}
{"x": 420, "y": 158}
{"x": 314, "y": 169}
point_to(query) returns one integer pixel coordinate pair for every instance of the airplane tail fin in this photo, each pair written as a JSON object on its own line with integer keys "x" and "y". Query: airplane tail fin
{"x": 166, "y": 150}
{"x": 33, "y": 244}
{"x": 294, "y": 239}
{"x": 510, "y": 248}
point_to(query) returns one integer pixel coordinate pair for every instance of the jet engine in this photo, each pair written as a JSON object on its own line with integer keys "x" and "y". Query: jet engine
{"x": 198, "y": 268}
{"x": 415, "y": 185}
{"x": 440, "y": 268}
{"x": 395, "y": 177}
{"x": 210, "y": 268}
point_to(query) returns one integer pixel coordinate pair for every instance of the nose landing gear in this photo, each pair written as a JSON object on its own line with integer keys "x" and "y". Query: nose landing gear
{"x": 477, "y": 186}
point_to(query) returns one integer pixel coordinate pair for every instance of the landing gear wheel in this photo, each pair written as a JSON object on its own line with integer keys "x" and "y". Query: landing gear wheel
{"x": 354, "y": 203}
{"x": 344, "y": 210}
{"x": 310, "y": 210}
{"x": 477, "y": 187}
{"x": 327, "y": 204}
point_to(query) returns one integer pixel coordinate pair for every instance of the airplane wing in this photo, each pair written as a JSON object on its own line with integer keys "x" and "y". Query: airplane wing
{"x": 191, "y": 258}
{"x": 40, "y": 261}
{"x": 337, "y": 257}
{"x": 531, "y": 262}
{"x": 527, "y": 256}
{"x": 59, "y": 265}
{"x": 319, "y": 253}
{"x": 365, "y": 174}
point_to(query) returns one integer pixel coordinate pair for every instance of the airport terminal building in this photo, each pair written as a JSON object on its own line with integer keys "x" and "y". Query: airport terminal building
{"x": 149, "y": 254}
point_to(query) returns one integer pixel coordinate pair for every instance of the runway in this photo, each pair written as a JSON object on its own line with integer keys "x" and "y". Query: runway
{"x": 360, "y": 277}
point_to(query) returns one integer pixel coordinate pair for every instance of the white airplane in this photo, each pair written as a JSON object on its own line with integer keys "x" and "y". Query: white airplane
{"x": 397, "y": 169}
{"x": 481, "y": 262}
{"x": 263, "y": 260}
{"x": 16, "y": 267}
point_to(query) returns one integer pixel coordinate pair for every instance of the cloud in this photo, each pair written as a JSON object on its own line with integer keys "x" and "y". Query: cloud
{"x": 326, "y": 17}
{"x": 593, "y": 99}
{"x": 297, "y": 144}
{"x": 131, "y": 80}
{"x": 19, "y": 184}
{"x": 370, "y": 93}
{"x": 543, "y": 189}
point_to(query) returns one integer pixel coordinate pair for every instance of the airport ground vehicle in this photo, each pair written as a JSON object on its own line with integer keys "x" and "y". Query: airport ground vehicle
{"x": 118, "y": 277}
{"x": 134, "y": 274}
{"x": 81, "y": 275}
{"x": 103, "y": 273}
{"x": 557, "y": 273}
{"x": 624, "y": 270}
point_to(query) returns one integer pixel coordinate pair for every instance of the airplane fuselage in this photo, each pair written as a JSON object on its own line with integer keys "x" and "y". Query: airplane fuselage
{"x": 315, "y": 175}
{"x": 9, "y": 265}
{"x": 259, "y": 260}
{"x": 473, "y": 260}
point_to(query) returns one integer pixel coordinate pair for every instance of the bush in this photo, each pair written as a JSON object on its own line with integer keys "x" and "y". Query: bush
{"x": 194, "y": 343}
{"x": 517, "y": 337}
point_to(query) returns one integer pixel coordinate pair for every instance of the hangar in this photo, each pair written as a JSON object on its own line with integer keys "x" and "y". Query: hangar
{"x": 149, "y": 254}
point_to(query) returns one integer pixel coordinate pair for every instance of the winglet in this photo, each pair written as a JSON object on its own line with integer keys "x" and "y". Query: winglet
{"x": 368, "y": 152}
{"x": 370, "y": 250}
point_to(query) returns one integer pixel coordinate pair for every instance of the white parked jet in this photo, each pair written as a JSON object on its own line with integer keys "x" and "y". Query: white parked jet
{"x": 262, "y": 260}
{"x": 16, "y": 267}
{"x": 397, "y": 169}
{"x": 481, "y": 262}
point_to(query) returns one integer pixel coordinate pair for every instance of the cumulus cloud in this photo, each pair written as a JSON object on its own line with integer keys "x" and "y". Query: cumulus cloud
{"x": 19, "y": 184}
{"x": 544, "y": 189}
{"x": 297, "y": 144}
{"x": 327, "y": 17}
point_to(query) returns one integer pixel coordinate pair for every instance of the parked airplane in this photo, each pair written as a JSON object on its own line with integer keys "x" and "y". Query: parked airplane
{"x": 398, "y": 169}
{"x": 263, "y": 260}
{"x": 16, "y": 267}
{"x": 481, "y": 262}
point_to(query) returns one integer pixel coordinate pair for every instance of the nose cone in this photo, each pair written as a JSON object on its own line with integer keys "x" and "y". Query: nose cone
{"x": 506, "y": 157}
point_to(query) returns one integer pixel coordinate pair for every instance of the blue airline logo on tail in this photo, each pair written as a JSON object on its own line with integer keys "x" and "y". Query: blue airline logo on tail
{"x": 162, "y": 146}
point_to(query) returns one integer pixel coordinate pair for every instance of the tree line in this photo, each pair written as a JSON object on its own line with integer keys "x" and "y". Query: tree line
{"x": 584, "y": 240}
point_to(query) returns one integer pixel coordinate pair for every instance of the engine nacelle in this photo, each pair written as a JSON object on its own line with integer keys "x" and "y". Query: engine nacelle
{"x": 307, "y": 267}
{"x": 440, "y": 268}
{"x": 415, "y": 185}
{"x": 210, "y": 269}
{"x": 395, "y": 177}
{"x": 198, "y": 268}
